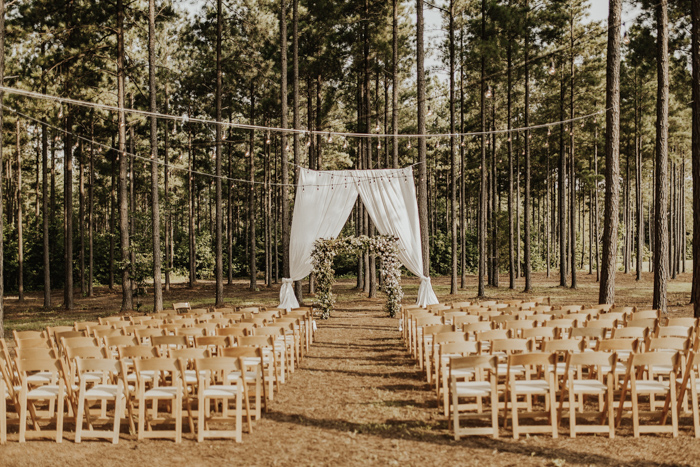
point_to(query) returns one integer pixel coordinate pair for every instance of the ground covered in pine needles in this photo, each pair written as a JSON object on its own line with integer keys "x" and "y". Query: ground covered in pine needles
{"x": 358, "y": 398}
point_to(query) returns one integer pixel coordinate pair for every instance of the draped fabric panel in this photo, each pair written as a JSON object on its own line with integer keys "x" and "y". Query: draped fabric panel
{"x": 323, "y": 204}
{"x": 321, "y": 208}
{"x": 390, "y": 199}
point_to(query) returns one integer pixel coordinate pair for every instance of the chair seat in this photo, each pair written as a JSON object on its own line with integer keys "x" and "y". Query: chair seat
{"x": 249, "y": 375}
{"x": 161, "y": 393}
{"x": 146, "y": 375}
{"x": 619, "y": 368}
{"x": 533, "y": 386}
{"x": 589, "y": 386}
{"x": 515, "y": 369}
{"x": 221, "y": 391}
{"x": 651, "y": 386}
{"x": 47, "y": 391}
{"x": 463, "y": 372}
{"x": 191, "y": 376}
{"x": 41, "y": 377}
{"x": 104, "y": 391}
{"x": 473, "y": 388}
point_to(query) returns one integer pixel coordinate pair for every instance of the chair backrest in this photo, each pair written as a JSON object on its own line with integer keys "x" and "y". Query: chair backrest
{"x": 189, "y": 354}
{"x": 510, "y": 346}
{"x": 475, "y": 362}
{"x": 674, "y": 331}
{"x": 84, "y": 325}
{"x": 111, "y": 319}
{"x": 32, "y": 365}
{"x": 100, "y": 334}
{"x": 19, "y": 335}
{"x": 219, "y": 369}
{"x": 655, "y": 359}
{"x": 450, "y": 336}
{"x": 181, "y": 306}
{"x": 542, "y": 360}
{"x": 164, "y": 343}
{"x": 649, "y": 323}
{"x": 113, "y": 342}
{"x": 130, "y": 330}
{"x": 480, "y": 326}
{"x": 255, "y": 341}
{"x": 110, "y": 368}
{"x": 161, "y": 366}
{"x": 492, "y": 334}
{"x": 613, "y": 345}
{"x": 460, "y": 321}
{"x": 145, "y": 335}
{"x": 563, "y": 345}
{"x": 31, "y": 353}
{"x": 460, "y": 348}
{"x": 631, "y": 333}
{"x": 190, "y": 332}
{"x": 645, "y": 314}
{"x": 68, "y": 335}
{"x": 211, "y": 341}
{"x": 602, "y": 323}
{"x": 681, "y": 344}
{"x": 71, "y": 342}
{"x": 587, "y": 333}
{"x": 685, "y": 321}
{"x": 85, "y": 352}
{"x": 40, "y": 343}
{"x": 541, "y": 333}
{"x": 233, "y": 331}
{"x": 597, "y": 359}
{"x": 433, "y": 329}
{"x": 136, "y": 351}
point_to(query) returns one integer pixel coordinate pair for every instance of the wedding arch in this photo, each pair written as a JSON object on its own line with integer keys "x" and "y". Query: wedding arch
{"x": 323, "y": 202}
{"x": 384, "y": 246}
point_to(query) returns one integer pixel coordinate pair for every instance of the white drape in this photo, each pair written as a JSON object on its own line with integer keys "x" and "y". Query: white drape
{"x": 323, "y": 203}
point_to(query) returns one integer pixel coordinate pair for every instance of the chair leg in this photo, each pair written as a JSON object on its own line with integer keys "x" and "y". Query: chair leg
{"x": 59, "y": 417}
{"x": 79, "y": 419}
{"x": 118, "y": 409}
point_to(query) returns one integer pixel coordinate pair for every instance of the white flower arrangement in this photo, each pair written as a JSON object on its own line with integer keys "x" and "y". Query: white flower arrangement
{"x": 384, "y": 246}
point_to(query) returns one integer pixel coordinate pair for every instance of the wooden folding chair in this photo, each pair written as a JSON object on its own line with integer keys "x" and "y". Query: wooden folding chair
{"x": 163, "y": 375}
{"x": 645, "y": 363}
{"x": 446, "y": 352}
{"x": 583, "y": 377}
{"x": 110, "y": 388}
{"x": 691, "y": 382}
{"x": 269, "y": 359}
{"x": 483, "y": 386}
{"x": 214, "y": 344}
{"x": 254, "y": 377}
{"x": 52, "y": 393}
{"x": 537, "y": 380}
{"x": 222, "y": 383}
{"x": 8, "y": 393}
{"x": 163, "y": 344}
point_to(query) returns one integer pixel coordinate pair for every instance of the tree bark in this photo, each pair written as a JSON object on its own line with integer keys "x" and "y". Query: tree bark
{"x": 68, "y": 211}
{"x": 252, "y": 256}
{"x": 661, "y": 249}
{"x": 283, "y": 145}
{"x": 511, "y": 233}
{"x": 2, "y": 240}
{"x": 191, "y": 195}
{"x": 526, "y": 208}
{"x": 395, "y": 83}
{"x": 219, "y": 260}
{"x": 45, "y": 209}
{"x": 482, "y": 191}
{"x": 422, "y": 160}
{"x": 91, "y": 213}
{"x": 612, "y": 157}
{"x": 155, "y": 201}
{"x": 453, "y": 158}
{"x": 20, "y": 202}
{"x": 563, "y": 265}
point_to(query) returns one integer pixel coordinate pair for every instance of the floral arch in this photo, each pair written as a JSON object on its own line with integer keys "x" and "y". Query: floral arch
{"x": 384, "y": 246}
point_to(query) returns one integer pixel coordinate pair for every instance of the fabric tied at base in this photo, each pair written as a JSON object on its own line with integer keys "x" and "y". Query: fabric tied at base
{"x": 426, "y": 295}
{"x": 288, "y": 300}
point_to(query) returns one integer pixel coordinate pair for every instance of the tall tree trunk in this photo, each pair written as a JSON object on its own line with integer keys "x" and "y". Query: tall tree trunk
{"x": 638, "y": 182}
{"x": 2, "y": 240}
{"x": 20, "y": 202}
{"x": 595, "y": 203}
{"x": 482, "y": 190}
{"x": 297, "y": 117}
{"x": 612, "y": 157}
{"x": 229, "y": 207}
{"x": 219, "y": 260}
{"x": 462, "y": 166}
{"x": 283, "y": 145}
{"x": 191, "y": 211}
{"x": 526, "y": 208}
{"x": 45, "y": 206}
{"x": 112, "y": 218}
{"x": 661, "y": 272}
{"x": 91, "y": 211}
{"x": 166, "y": 193}
{"x": 68, "y": 211}
{"x": 422, "y": 160}
{"x": 453, "y": 157}
{"x": 572, "y": 163}
{"x": 81, "y": 214}
{"x": 252, "y": 256}
{"x": 511, "y": 233}
{"x": 155, "y": 205}
{"x": 395, "y": 82}
{"x": 561, "y": 187}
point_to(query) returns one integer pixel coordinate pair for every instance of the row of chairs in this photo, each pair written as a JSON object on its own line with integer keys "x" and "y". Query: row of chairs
{"x": 630, "y": 337}
{"x": 60, "y": 372}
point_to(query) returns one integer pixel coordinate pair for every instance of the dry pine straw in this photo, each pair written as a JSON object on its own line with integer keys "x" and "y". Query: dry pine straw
{"x": 359, "y": 399}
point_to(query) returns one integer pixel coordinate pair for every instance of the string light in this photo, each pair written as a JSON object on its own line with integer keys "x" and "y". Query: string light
{"x": 408, "y": 146}
{"x": 625, "y": 36}
{"x": 437, "y": 146}
{"x": 549, "y": 131}
{"x": 430, "y": 112}
{"x": 267, "y": 141}
{"x": 379, "y": 144}
{"x": 286, "y": 148}
{"x": 377, "y": 128}
{"x": 583, "y": 123}
{"x": 546, "y": 145}
{"x": 552, "y": 69}
{"x": 247, "y": 153}
{"x": 489, "y": 93}
{"x": 308, "y": 143}
{"x": 345, "y": 144}
{"x": 330, "y": 138}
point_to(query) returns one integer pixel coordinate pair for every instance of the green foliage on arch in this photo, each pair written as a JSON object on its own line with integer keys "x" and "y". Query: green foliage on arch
{"x": 383, "y": 246}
